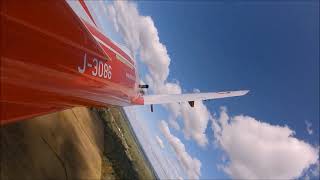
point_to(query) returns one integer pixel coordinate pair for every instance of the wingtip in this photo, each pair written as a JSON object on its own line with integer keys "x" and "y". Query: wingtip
{"x": 245, "y": 92}
{"x": 242, "y": 92}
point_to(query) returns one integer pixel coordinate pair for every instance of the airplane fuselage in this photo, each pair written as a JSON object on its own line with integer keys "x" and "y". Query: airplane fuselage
{"x": 52, "y": 59}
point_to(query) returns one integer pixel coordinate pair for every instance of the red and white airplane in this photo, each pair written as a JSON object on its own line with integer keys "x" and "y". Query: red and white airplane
{"x": 54, "y": 57}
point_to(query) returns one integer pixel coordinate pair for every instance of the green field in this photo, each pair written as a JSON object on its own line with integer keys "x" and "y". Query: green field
{"x": 77, "y": 143}
{"x": 122, "y": 147}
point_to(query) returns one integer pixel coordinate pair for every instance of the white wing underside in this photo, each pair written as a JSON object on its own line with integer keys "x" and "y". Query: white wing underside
{"x": 174, "y": 98}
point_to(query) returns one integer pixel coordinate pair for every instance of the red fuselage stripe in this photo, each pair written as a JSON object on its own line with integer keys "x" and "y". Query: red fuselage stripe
{"x": 107, "y": 41}
{"x": 60, "y": 63}
{"x": 84, "y": 6}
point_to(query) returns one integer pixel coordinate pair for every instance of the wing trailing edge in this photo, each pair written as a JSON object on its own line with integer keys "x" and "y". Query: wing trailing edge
{"x": 190, "y": 97}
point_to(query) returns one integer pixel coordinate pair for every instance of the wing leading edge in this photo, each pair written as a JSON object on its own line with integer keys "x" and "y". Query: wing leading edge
{"x": 191, "y": 97}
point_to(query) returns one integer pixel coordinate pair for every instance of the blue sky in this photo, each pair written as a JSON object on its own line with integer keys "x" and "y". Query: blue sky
{"x": 270, "y": 48}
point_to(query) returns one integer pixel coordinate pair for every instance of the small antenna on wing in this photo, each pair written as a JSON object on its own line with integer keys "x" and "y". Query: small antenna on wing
{"x": 143, "y": 86}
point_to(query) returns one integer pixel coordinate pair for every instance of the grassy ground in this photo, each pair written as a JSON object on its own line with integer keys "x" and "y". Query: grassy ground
{"x": 77, "y": 143}
{"x": 122, "y": 147}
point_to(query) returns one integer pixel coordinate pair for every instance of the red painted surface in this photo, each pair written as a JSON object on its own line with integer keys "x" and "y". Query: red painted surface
{"x": 138, "y": 100}
{"x": 105, "y": 39}
{"x": 84, "y": 6}
{"x": 43, "y": 43}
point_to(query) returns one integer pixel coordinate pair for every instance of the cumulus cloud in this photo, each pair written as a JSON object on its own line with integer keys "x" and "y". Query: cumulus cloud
{"x": 258, "y": 150}
{"x": 309, "y": 129}
{"x": 191, "y": 165}
{"x": 195, "y": 122}
{"x": 160, "y": 142}
{"x": 312, "y": 172}
{"x": 173, "y": 123}
{"x": 165, "y": 163}
{"x": 141, "y": 35}
{"x": 316, "y": 170}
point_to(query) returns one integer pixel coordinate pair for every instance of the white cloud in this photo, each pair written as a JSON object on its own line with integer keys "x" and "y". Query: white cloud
{"x": 309, "y": 129}
{"x": 141, "y": 35}
{"x": 191, "y": 165}
{"x": 312, "y": 172}
{"x": 258, "y": 150}
{"x": 316, "y": 170}
{"x": 160, "y": 142}
{"x": 195, "y": 122}
{"x": 165, "y": 164}
{"x": 112, "y": 13}
{"x": 173, "y": 123}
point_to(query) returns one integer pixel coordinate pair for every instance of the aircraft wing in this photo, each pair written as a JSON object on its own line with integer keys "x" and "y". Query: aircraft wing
{"x": 191, "y": 97}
